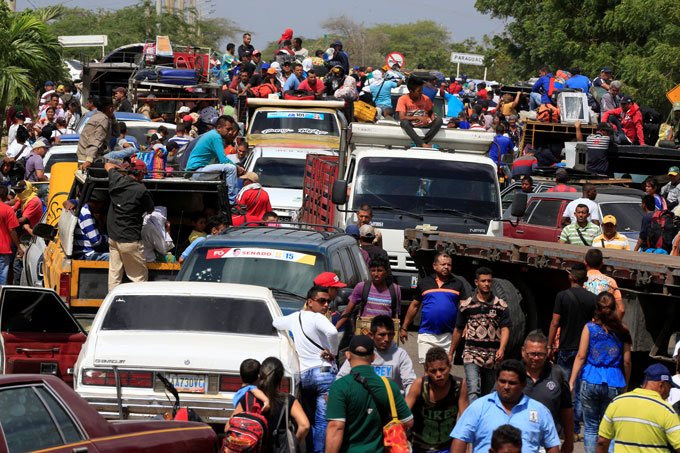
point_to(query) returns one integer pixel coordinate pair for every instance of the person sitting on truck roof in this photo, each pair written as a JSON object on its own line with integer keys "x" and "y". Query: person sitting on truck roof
{"x": 541, "y": 89}
{"x": 312, "y": 83}
{"x": 416, "y": 110}
{"x": 454, "y": 105}
{"x": 500, "y": 146}
{"x": 294, "y": 81}
{"x": 581, "y": 232}
{"x": 611, "y": 99}
{"x": 88, "y": 243}
{"x": 252, "y": 201}
{"x": 627, "y": 119}
{"x": 588, "y": 199}
{"x": 672, "y": 190}
{"x": 209, "y": 147}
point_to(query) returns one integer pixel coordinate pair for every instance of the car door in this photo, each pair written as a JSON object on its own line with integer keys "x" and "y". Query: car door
{"x": 33, "y": 418}
{"x": 545, "y": 221}
{"x": 38, "y": 333}
{"x": 510, "y": 229}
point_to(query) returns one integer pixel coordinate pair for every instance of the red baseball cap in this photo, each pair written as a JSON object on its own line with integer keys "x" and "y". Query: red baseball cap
{"x": 328, "y": 279}
{"x": 188, "y": 118}
{"x": 139, "y": 166}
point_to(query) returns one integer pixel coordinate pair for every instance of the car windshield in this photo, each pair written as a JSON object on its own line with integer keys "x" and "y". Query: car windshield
{"x": 425, "y": 185}
{"x": 286, "y": 270}
{"x": 281, "y": 173}
{"x": 294, "y": 122}
{"x": 60, "y": 157}
{"x": 628, "y": 215}
{"x": 189, "y": 314}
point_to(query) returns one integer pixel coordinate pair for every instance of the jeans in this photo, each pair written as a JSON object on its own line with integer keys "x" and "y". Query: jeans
{"x": 314, "y": 397}
{"x": 594, "y": 399}
{"x": 535, "y": 100}
{"x": 480, "y": 380}
{"x": 17, "y": 268}
{"x": 212, "y": 172}
{"x": 565, "y": 360}
{"x": 5, "y": 260}
{"x": 120, "y": 155}
{"x": 97, "y": 256}
{"x": 434, "y": 127}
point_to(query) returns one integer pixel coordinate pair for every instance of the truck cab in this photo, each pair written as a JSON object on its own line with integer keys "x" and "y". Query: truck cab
{"x": 454, "y": 188}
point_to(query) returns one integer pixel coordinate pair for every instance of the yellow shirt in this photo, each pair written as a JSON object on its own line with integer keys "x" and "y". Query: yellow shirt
{"x": 618, "y": 242}
{"x": 641, "y": 421}
{"x": 195, "y": 235}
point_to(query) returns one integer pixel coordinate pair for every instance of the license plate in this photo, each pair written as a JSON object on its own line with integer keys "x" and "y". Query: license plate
{"x": 187, "y": 383}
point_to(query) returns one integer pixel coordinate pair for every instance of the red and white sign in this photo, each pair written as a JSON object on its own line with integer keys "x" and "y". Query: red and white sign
{"x": 395, "y": 58}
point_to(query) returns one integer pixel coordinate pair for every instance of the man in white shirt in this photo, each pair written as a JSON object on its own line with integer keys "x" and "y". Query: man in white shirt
{"x": 316, "y": 342}
{"x": 588, "y": 199}
{"x": 19, "y": 119}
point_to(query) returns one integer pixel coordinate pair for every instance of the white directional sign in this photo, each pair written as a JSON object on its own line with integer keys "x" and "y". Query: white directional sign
{"x": 467, "y": 58}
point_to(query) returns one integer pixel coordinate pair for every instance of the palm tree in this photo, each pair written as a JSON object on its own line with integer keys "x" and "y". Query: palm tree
{"x": 30, "y": 54}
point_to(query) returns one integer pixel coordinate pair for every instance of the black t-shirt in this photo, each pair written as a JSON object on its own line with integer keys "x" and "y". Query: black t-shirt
{"x": 375, "y": 252}
{"x": 129, "y": 202}
{"x": 576, "y": 306}
{"x": 242, "y": 49}
{"x": 552, "y": 390}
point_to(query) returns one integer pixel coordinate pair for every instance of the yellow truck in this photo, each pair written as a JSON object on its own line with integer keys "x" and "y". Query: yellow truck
{"x": 82, "y": 284}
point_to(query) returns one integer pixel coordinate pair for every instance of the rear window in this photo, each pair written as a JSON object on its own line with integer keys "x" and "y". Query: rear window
{"x": 60, "y": 157}
{"x": 189, "y": 314}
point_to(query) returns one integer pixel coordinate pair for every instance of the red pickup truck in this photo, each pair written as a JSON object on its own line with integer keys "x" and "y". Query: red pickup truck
{"x": 41, "y": 412}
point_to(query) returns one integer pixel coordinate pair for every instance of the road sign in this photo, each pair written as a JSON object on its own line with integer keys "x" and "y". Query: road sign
{"x": 674, "y": 94}
{"x": 395, "y": 57}
{"x": 467, "y": 58}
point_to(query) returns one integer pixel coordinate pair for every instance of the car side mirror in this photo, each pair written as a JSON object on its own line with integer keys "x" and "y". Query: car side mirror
{"x": 519, "y": 205}
{"x": 45, "y": 231}
{"x": 339, "y": 195}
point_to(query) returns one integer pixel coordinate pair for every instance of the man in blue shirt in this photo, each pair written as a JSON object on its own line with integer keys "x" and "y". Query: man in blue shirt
{"x": 454, "y": 105}
{"x": 577, "y": 81}
{"x": 381, "y": 91}
{"x": 210, "y": 148}
{"x": 507, "y": 405}
{"x": 541, "y": 89}
{"x": 501, "y": 145}
{"x": 294, "y": 81}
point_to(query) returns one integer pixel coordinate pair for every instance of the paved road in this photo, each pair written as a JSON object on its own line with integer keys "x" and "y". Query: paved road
{"x": 411, "y": 347}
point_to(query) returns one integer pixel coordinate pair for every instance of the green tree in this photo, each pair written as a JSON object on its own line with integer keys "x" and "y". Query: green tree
{"x": 30, "y": 54}
{"x": 638, "y": 39}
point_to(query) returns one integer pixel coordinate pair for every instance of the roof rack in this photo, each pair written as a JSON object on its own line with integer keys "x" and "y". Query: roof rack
{"x": 295, "y": 226}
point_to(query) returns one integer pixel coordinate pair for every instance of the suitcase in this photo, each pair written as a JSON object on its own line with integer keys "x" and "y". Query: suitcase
{"x": 147, "y": 74}
{"x": 178, "y": 76}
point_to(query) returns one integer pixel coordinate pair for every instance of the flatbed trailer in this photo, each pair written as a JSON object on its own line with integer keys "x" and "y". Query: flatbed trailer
{"x": 650, "y": 283}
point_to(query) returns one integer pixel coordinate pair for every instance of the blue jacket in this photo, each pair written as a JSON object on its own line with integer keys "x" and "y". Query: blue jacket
{"x": 579, "y": 82}
{"x": 542, "y": 86}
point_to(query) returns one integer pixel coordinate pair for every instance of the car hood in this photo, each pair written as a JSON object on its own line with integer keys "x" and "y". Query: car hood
{"x": 182, "y": 350}
{"x": 285, "y": 198}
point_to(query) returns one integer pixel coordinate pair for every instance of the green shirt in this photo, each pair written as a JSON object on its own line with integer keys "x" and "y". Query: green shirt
{"x": 350, "y": 402}
{"x": 570, "y": 234}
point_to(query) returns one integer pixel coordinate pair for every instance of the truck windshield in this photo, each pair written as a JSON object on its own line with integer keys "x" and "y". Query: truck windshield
{"x": 280, "y": 173}
{"x": 189, "y": 314}
{"x": 427, "y": 185}
{"x": 294, "y": 122}
{"x": 286, "y": 270}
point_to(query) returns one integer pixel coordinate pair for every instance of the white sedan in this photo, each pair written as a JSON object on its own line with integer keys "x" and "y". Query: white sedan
{"x": 196, "y": 334}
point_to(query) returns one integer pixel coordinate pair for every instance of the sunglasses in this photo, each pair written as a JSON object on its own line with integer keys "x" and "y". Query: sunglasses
{"x": 322, "y": 300}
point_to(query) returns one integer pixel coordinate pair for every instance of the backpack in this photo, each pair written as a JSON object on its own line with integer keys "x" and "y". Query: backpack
{"x": 248, "y": 429}
{"x": 367, "y": 289}
{"x": 548, "y": 113}
{"x": 264, "y": 90}
{"x": 661, "y": 231}
{"x": 596, "y": 285}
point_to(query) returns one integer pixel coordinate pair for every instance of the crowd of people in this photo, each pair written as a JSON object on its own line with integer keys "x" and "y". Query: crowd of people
{"x": 569, "y": 386}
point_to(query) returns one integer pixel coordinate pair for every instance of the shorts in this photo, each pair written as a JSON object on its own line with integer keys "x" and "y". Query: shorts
{"x": 428, "y": 340}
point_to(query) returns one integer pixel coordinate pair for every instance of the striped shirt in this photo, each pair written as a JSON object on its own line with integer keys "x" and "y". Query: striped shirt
{"x": 86, "y": 235}
{"x": 570, "y": 234}
{"x": 618, "y": 242}
{"x": 641, "y": 421}
{"x": 378, "y": 302}
{"x": 181, "y": 141}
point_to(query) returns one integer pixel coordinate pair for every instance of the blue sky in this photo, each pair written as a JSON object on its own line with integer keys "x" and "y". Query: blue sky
{"x": 268, "y": 19}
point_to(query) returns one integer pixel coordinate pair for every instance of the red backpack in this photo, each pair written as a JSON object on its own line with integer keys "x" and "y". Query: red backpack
{"x": 248, "y": 429}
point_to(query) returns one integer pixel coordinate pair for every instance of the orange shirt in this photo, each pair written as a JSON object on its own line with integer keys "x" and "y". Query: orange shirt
{"x": 407, "y": 107}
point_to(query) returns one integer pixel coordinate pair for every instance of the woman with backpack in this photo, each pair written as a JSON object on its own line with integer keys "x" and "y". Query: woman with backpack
{"x": 285, "y": 422}
{"x": 604, "y": 358}
{"x": 652, "y": 187}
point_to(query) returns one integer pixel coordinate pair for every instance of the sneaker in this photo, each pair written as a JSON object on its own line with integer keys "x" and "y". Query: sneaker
{"x": 578, "y": 437}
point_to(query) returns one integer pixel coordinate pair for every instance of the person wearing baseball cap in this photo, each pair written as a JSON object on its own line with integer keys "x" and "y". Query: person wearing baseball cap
{"x": 671, "y": 191}
{"x": 642, "y": 419}
{"x": 353, "y": 423}
{"x": 604, "y": 79}
{"x": 252, "y": 201}
{"x": 610, "y": 238}
{"x": 130, "y": 200}
{"x": 627, "y": 119}
{"x": 331, "y": 281}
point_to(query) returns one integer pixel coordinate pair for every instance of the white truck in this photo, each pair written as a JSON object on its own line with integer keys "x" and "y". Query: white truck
{"x": 454, "y": 187}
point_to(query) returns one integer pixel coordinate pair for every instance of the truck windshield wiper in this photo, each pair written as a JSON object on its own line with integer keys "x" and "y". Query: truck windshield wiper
{"x": 287, "y": 293}
{"x": 402, "y": 211}
{"x": 466, "y": 215}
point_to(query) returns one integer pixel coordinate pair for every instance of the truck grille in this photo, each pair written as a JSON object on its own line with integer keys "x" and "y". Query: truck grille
{"x": 405, "y": 263}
